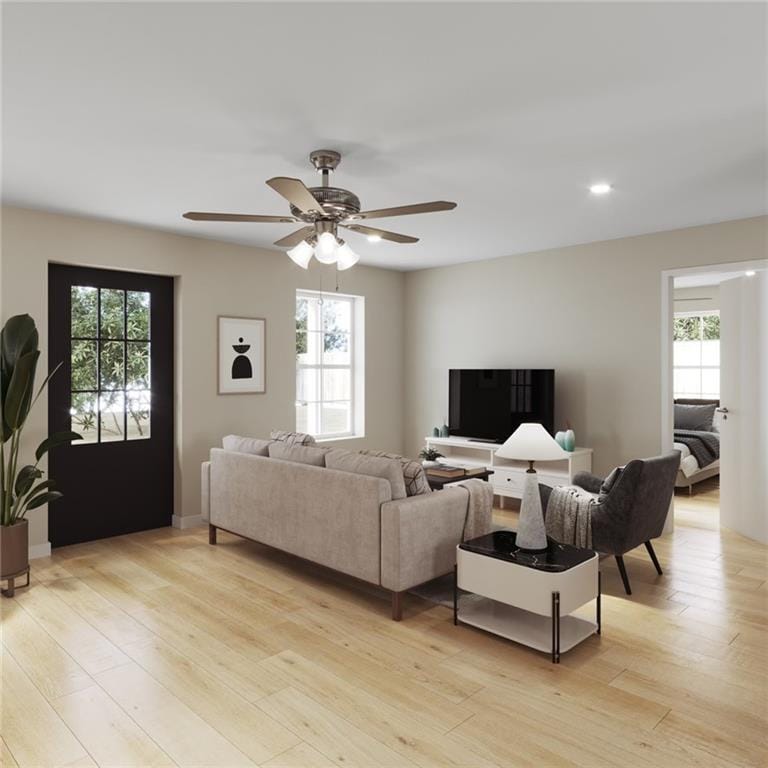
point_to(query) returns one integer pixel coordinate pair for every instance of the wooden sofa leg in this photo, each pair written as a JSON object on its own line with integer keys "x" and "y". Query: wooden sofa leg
{"x": 655, "y": 560}
{"x": 397, "y": 606}
{"x": 623, "y": 572}
{"x": 211, "y": 534}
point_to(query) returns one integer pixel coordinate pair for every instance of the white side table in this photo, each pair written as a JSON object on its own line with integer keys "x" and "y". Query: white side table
{"x": 527, "y": 597}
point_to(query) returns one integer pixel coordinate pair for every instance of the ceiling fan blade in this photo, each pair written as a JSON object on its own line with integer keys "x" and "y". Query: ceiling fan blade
{"x": 205, "y": 216}
{"x": 407, "y": 210}
{"x": 382, "y": 233}
{"x": 296, "y": 193}
{"x": 295, "y": 237}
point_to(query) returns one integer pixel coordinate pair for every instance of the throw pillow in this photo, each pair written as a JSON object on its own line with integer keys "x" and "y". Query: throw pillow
{"x": 414, "y": 476}
{"x": 696, "y": 417}
{"x": 292, "y": 438}
{"x": 301, "y": 454}
{"x": 250, "y": 445}
{"x": 376, "y": 466}
{"x": 608, "y": 483}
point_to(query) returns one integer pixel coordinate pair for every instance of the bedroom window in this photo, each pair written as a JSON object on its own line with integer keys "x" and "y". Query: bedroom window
{"x": 697, "y": 355}
{"x": 330, "y": 364}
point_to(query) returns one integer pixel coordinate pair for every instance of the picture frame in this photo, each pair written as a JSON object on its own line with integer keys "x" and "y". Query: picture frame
{"x": 241, "y": 355}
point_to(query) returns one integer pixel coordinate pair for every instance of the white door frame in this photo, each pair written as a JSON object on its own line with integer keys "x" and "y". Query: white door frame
{"x": 667, "y": 313}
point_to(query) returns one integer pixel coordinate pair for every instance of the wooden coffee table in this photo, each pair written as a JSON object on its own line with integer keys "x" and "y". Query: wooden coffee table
{"x": 436, "y": 482}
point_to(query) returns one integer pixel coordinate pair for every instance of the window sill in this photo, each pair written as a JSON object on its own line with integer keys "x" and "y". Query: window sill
{"x": 337, "y": 439}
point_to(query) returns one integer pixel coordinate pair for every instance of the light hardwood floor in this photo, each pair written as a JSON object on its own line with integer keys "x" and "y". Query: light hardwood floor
{"x": 157, "y": 650}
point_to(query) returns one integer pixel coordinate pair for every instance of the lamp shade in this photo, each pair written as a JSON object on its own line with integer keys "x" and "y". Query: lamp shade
{"x": 301, "y": 254}
{"x": 531, "y": 442}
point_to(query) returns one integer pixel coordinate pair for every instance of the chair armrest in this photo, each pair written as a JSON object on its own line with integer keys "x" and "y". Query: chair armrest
{"x": 419, "y": 535}
{"x": 588, "y": 481}
{"x": 205, "y": 490}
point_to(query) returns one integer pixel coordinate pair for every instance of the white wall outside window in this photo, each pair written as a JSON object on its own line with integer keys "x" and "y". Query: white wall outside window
{"x": 330, "y": 364}
{"x": 696, "y": 355}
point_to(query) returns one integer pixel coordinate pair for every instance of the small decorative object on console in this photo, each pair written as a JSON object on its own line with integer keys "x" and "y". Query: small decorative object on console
{"x": 429, "y": 457}
{"x": 531, "y": 442}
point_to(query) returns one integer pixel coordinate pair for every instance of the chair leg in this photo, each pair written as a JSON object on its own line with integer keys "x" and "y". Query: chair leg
{"x": 397, "y": 606}
{"x": 623, "y": 572}
{"x": 211, "y": 534}
{"x": 655, "y": 560}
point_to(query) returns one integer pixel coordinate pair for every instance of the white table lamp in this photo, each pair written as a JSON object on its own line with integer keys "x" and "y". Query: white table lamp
{"x": 531, "y": 442}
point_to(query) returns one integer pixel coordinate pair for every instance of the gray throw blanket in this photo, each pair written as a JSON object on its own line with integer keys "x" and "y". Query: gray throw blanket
{"x": 704, "y": 446}
{"x": 569, "y": 516}
{"x": 480, "y": 500}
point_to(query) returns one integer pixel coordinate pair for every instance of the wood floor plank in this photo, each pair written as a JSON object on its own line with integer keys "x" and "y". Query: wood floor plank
{"x": 173, "y": 726}
{"x": 111, "y": 737}
{"x": 300, "y": 756}
{"x": 33, "y": 732}
{"x": 6, "y": 758}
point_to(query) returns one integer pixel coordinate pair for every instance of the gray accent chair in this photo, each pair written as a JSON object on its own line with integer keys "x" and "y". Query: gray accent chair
{"x": 633, "y": 510}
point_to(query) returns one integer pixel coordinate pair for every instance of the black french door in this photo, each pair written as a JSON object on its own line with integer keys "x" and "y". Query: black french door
{"x": 113, "y": 334}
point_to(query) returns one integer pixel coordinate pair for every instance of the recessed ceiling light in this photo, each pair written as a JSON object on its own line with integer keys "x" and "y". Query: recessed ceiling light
{"x": 600, "y": 189}
{"x": 374, "y": 238}
{"x": 750, "y": 273}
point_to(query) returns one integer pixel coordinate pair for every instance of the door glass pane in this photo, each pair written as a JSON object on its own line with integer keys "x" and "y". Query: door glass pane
{"x": 83, "y": 413}
{"x": 112, "y": 313}
{"x": 336, "y": 349}
{"x": 337, "y": 384}
{"x": 336, "y": 418}
{"x": 83, "y": 365}
{"x": 139, "y": 403}
{"x": 112, "y": 405}
{"x": 112, "y": 365}
{"x": 84, "y": 310}
{"x": 137, "y": 311}
{"x": 137, "y": 358}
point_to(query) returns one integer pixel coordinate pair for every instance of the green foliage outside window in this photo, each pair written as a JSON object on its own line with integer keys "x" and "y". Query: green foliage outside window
{"x": 697, "y": 328}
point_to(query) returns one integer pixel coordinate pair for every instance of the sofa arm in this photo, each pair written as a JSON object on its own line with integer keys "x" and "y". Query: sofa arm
{"x": 205, "y": 490}
{"x": 419, "y": 535}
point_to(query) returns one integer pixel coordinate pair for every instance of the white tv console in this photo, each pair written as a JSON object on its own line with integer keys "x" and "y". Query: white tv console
{"x": 508, "y": 475}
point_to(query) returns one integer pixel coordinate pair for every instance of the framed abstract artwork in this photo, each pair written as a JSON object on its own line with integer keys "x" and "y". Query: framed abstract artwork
{"x": 242, "y": 358}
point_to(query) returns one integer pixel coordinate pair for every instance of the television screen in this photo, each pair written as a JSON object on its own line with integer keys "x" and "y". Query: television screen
{"x": 492, "y": 404}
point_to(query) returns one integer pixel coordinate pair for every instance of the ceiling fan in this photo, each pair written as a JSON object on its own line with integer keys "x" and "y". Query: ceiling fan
{"x": 324, "y": 210}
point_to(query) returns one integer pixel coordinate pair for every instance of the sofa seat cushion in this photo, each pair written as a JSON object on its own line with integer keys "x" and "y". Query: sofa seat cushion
{"x": 292, "y": 438}
{"x": 251, "y": 445}
{"x": 301, "y": 454}
{"x": 376, "y": 466}
{"x": 414, "y": 477}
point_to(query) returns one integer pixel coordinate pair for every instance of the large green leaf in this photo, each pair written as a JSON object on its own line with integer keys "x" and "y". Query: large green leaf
{"x": 56, "y": 439}
{"x": 19, "y": 337}
{"x": 25, "y": 477}
{"x": 45, "y": 498}
{"x": 20, "y": 391}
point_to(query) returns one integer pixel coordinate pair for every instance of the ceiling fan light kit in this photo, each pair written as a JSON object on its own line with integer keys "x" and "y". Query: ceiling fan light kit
{"x": 323, "y": 210}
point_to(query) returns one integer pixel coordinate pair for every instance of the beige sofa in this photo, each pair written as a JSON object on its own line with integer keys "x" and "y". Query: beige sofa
{"x": 344, "y": 520}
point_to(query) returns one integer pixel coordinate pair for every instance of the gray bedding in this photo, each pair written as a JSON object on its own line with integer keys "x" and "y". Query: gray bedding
{"x": 704, "y": 446}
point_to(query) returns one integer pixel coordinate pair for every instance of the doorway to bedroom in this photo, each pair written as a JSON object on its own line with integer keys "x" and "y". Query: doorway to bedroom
{"x": 715, "y": 393}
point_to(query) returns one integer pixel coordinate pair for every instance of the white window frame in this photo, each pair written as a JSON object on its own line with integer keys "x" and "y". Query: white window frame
{"x": 356, "y": 365}
{"x": 695, "y": 313}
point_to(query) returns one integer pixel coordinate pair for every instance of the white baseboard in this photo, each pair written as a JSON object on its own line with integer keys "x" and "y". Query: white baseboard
{"x": 39, "y": 550}
{"x": 186, "y": 521}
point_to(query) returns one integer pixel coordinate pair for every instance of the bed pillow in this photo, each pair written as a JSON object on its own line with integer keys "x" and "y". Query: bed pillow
{"x": 292, "y": 438}
{"x": 695, "y": 417}
{"x": 301, "y": 454}
{"x": 376, "y": 466}
{"x": 251, "y": 445}
{"x": 414, "y": 477}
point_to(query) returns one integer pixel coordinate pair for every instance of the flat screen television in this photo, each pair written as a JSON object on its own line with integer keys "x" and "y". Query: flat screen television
{"x": 492, "y": 404}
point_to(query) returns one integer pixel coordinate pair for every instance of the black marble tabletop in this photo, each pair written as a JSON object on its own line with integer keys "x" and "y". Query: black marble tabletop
{"x": 502, "y": 546}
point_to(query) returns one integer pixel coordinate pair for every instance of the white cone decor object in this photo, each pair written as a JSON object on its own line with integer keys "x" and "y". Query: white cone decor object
{"x": 531, "y": 531}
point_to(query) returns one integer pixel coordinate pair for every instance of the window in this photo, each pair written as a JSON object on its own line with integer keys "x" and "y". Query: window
{"x": 329, "y": 364}
{"x": 110, "y": 356}
{"x": 697, "y": 355}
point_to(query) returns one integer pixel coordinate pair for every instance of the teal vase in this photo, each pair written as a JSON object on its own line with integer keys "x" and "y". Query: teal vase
{"x": 569, "y": 442}
{"x": 444, "y": 431}
{"x": 435, "y": 431}
{"x": 560, "y": 439}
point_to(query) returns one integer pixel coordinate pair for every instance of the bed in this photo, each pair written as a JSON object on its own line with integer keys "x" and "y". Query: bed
{"x": 699, "y": 449}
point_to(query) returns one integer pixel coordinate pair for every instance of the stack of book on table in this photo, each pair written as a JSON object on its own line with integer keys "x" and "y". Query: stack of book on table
{"x": 449, "y": 472}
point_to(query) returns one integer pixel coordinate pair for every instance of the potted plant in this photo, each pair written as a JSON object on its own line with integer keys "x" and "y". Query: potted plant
{"x": 22, "y": 487}
{"x": 429, "y": 457}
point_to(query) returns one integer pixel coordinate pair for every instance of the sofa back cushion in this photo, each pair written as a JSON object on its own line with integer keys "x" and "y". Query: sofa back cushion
{"x": 302, "y": 454}
{"x": 414, "y": 477}
{"x": 292, "y": 438}
{"x": 251, "y": 445}
{"x": 376, "y": 466}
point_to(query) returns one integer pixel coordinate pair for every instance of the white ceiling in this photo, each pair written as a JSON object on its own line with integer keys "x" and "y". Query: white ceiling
{"x": 138, "y": 112}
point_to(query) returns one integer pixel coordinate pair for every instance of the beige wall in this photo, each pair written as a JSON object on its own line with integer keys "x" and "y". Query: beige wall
{"x": 212, "y": 278}
{"x": 702, "y": 299}
{"x": 591, "y": 311}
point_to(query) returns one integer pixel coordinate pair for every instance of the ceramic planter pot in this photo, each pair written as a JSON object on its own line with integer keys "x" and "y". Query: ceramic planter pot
{"x": 14, "y": 548}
